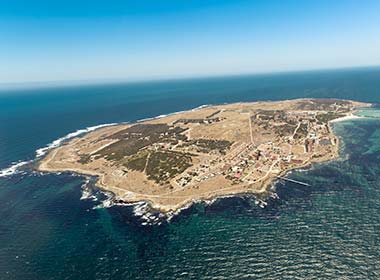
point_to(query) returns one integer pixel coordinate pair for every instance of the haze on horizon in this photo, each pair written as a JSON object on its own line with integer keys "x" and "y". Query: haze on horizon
{"x": 46, "y": 40}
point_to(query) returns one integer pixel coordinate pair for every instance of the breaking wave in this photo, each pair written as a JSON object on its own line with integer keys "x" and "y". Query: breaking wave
{"x": 14, "y": 168}
{"x": 42, "y": 151}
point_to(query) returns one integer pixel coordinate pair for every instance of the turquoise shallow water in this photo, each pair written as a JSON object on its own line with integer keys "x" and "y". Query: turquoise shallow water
{"x": 327, "y": 231}
{"x": 369, "y": 112}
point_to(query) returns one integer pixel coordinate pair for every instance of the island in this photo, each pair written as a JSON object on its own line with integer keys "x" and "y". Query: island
{"x": 173, "y": 161}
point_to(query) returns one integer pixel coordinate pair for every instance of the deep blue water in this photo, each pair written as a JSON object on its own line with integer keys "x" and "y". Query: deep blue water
{"x": 326, "y": 231}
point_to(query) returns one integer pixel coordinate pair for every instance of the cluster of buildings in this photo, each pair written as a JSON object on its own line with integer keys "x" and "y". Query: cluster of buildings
{"x": 251, "y": 162}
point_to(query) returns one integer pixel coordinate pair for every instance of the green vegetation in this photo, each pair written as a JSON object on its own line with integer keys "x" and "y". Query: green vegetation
{"x": 301, "y": 131}
{"x": 266, "y": 115}
{"x": 213, "y": 114}
{"x": 325, "y": 118}
{"x": 207, "y": 145}
{"x": 139, "y": 136}
{"x": 284, "y": 130}
{"x": 198, "y": 121}
{"x": 321, "y": 104}
{"x": 138, "y": 161}
{"x": 84, "y": 159}
{"x": 164, "y": 165}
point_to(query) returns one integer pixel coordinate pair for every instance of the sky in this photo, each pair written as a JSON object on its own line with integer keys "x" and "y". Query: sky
{"x": 53, "y": 40}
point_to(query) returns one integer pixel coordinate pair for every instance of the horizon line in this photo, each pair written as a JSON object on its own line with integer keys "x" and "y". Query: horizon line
{"x": 108, "y": 81}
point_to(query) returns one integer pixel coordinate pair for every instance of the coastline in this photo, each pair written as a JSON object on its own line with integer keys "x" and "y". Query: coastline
{"x": 348, "y": 118}
{"x": 134, "y": 197}
{"x": 168, "y": 213}
{"x": 43, "y": 155}
{"x": 264, "y": 190}
{"x": 14, "y": 167}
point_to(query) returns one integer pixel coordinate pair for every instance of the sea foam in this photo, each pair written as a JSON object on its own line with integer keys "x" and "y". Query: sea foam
{"x": 42, "y": 151}
{"x": 14, "y": 167}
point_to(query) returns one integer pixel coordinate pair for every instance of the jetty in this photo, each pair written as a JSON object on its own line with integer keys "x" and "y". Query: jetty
{"x": 294, "y": 181}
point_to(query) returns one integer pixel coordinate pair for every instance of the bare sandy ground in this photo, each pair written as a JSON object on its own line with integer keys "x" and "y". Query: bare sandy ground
{"x": 133, "y": 186}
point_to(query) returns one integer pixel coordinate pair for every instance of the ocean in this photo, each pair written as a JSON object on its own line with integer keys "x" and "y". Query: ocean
{"x": 52, "y": 228}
